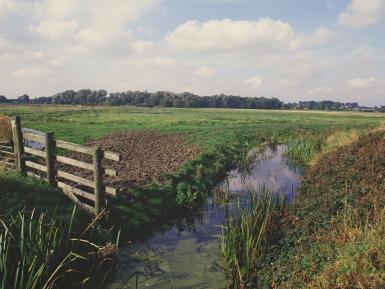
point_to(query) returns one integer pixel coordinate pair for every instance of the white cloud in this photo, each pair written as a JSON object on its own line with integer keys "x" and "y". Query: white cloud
{"x": 141, "y": 46}
{"x": 322, "y": 92}
{"x": 227, "y": 35}
{"x": 362, "y": 82}
{"x": 56, "y": 29}
{"x": 205, "y": 71}
{"x": 113, "y": 13}
{"x": 255, "y": 81}
{"x": 52, "y": 45}
{"x": 23, "y": 73}
{"x": 7, "y": 6}
{"x": 90, "y": 35}
{"x": 362, "y": 13}
{"x": 4, "y": 43}
{"x": 318, "y": 37}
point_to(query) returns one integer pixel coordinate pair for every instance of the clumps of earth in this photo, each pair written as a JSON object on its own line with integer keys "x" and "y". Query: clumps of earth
{"x": 146, "y": 157}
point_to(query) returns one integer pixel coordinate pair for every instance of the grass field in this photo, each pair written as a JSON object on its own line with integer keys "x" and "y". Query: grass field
{"x": 206, "y": 127}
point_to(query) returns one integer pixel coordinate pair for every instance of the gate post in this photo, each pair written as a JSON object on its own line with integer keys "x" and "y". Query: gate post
{"x": 98, "y": 179}
{"x": 50, "y": 157}
{"x": 18, "y": 146}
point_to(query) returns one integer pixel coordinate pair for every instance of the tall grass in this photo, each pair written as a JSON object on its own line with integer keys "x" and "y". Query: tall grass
{"x": 303, "y": 148}
{"x": 244, "y": 235}
{"x": 38, "y": 251}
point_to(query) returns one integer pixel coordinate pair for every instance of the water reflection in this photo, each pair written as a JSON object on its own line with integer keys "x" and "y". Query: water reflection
{"x": 188, "y": 254}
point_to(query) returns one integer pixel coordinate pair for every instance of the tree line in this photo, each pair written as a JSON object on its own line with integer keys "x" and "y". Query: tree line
{"x": 179, "y": 100}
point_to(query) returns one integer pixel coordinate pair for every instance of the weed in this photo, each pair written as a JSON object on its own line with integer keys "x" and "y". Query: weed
{"x": 244, "y": 235}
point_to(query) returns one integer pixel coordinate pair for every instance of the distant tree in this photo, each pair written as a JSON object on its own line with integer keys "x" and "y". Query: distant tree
{"x": 179, "y": 102}
{"x": 3, "y": 99}
{"x": 23, "y": 99}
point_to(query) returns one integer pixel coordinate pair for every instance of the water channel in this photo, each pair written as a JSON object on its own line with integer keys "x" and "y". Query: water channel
{"x": 188, "y": 255}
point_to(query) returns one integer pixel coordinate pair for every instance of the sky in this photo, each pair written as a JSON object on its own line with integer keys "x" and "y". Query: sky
{"x": 290, "y": 49}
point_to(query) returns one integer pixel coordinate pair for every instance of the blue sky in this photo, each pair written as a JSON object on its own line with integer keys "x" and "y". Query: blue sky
{"x": 290, "y": 49}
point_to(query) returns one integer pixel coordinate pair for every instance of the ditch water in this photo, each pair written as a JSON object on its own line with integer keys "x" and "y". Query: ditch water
{"x": 188, "y": 255}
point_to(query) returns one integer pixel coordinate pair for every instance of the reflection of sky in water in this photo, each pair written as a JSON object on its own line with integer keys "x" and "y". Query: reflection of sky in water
{"x": 187, "y": 255}
{"x": 275, "y": 173}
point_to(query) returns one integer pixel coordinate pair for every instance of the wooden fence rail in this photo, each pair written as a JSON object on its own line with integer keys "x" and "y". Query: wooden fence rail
{"x": 74, "y": 186}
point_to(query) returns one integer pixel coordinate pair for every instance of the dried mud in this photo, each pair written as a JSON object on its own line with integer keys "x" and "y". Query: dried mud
{"x": 146, "y": 157}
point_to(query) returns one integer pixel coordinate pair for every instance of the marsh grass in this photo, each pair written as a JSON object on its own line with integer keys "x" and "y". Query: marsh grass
{"x": 303, "y": 148}
{"x": 38, "y": 251}
{"x": 45, "y": 243}
{"x": 244, "y": 235}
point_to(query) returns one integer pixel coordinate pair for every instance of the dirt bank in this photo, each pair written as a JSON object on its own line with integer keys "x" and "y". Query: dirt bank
{"x": 145, "y": 156}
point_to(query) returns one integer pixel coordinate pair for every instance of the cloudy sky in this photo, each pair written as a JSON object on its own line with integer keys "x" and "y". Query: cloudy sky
{"x": 290, "y": 49}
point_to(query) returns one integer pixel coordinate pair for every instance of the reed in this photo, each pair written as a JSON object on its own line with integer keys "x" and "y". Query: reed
{"x": 244, "y": 235}
{"x": 38, "y": 251}
{"x": 303, "y": 148}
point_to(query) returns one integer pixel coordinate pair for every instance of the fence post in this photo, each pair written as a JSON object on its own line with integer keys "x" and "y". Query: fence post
{"x": 18, "y": 146}
{"x": 50, "y": 157}
{"x": 98, "y": 177}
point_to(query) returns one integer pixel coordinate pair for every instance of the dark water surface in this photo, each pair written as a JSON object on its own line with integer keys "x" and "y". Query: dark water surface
{"x": 189, "y": 255}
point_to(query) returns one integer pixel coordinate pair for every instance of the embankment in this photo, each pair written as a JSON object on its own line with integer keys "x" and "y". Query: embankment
{"x": 332, "y": 235}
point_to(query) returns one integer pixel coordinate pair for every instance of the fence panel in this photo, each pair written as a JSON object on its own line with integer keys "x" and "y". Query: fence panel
{"x": 34, "y": 162}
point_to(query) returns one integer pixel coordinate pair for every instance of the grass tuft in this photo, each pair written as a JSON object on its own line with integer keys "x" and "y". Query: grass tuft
{"x": 244, "y": 235}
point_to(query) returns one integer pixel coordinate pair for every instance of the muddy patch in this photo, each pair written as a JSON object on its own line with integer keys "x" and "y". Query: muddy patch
{"x": 146, "y": 157}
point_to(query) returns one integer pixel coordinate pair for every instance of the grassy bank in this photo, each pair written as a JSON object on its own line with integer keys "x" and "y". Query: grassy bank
{"x": 44, "y": 242}
{"x": 147, "y": 209}
{"x": 331, "y": 236}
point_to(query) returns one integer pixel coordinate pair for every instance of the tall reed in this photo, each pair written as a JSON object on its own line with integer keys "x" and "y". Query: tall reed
{"x": 244, "y": 235}
{"x": 303, "y": 148}
{"x": 38, "y": 251}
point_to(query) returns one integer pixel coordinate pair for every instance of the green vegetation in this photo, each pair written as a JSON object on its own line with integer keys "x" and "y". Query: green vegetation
{"x": 299, "y": 248}
{"x": 331, "y": 236}
{"x": 304, "y": 147}
{"x": 46, "y": 246}
{"x": 151, "y": 206}
{"x": 244, "y": 235}
{"x": 18, "y": 193}
{"x": 204, "y": 127}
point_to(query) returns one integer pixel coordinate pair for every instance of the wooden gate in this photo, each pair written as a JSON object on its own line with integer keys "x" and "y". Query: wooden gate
{"x": 89, "y": 191}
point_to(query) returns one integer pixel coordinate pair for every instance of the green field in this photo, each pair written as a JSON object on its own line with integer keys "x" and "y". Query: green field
{"x": 311, "y": 249}
{"x": 206, "y": 127}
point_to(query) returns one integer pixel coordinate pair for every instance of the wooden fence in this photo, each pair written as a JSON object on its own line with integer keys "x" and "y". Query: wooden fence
{"x": 89, "y": 195}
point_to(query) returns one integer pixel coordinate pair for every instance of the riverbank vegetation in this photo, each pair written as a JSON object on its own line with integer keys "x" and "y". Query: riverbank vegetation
{"x": 45, "y": 243}
{"x": 331, "y": 236}
{"x": 244, "y": 234}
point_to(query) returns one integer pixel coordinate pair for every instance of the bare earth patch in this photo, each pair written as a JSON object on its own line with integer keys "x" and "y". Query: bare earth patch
{"x": 145, "y": 156}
